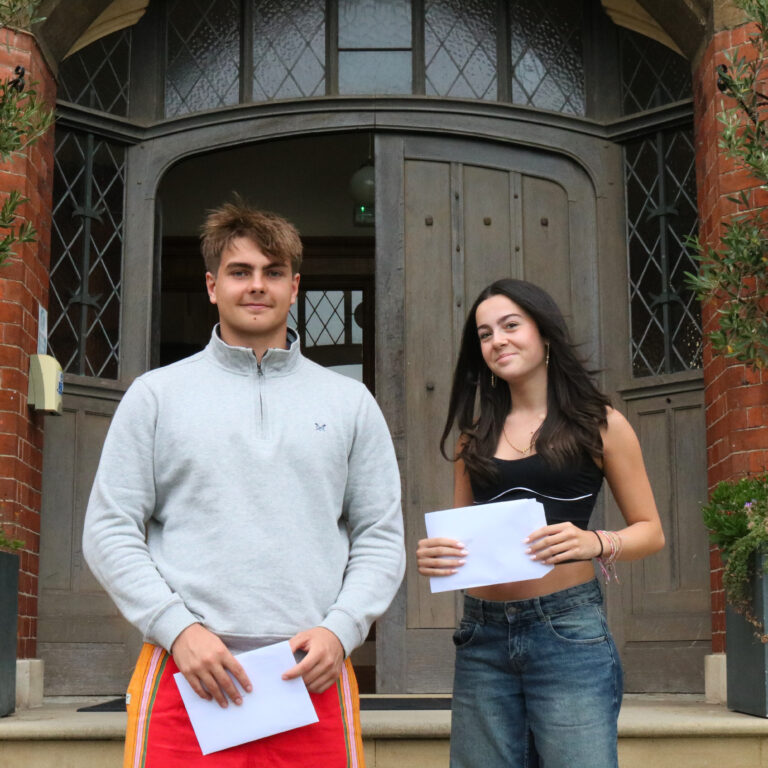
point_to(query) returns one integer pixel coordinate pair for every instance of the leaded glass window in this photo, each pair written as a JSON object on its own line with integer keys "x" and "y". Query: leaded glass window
{"x": 661, "y": 213}
{"x": 97, "y": 76}
{"x": 460, "y": 48}
{"x": 202, "y": 55}
{"x": 288, "y": 49}
{"x": 546, "y": 55}
{"x": 331, "y": 325}
{"x": 651, "y": 74}
{"x": 375, "y": 42}
{"x": 86, "y": 254}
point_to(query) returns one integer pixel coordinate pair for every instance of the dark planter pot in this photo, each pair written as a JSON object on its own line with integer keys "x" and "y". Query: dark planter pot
{"x": 746, "y": 657}
{"x": 9, "y": 605}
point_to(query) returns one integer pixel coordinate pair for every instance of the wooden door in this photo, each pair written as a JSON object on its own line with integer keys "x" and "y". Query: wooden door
{"x": 660, "y": 612}
{"x": 453, "y": 216}
{"x": 87, "y": 646}
{"x": 471, "y": 213}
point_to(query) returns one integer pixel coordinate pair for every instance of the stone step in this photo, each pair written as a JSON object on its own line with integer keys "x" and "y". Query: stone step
{"x": 654, "y": 732}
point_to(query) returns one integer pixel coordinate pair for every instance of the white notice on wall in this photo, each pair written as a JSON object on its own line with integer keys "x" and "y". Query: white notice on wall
{"x": 42, "y": 330}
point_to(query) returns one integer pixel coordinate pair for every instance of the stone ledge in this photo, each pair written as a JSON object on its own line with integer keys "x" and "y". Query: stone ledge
{"x": 668, "y": 716}
{"x": 642, "y": 716}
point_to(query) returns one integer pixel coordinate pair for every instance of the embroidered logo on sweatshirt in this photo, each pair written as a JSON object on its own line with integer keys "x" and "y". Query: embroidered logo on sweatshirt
{"x": 319, "y": 427}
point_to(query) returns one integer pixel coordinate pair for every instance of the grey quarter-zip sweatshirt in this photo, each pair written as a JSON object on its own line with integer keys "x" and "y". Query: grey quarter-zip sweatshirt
{"x": 258, "y": 499}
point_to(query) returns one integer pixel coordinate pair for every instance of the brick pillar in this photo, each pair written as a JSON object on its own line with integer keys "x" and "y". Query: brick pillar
{"x": 24, "y": 286}
{"x": 736, "y": 397}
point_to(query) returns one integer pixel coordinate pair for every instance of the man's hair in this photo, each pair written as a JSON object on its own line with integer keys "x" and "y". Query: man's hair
{"x": 275, "y": 236}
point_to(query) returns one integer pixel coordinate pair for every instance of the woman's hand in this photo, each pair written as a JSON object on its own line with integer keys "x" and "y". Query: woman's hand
{"x": 440, "y": 557}
{"x": 555, "y": 544}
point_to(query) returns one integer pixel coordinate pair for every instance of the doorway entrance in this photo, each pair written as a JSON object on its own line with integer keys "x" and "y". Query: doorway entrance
{"x": 454, "y": 211}
{"x": 87, "y": 646}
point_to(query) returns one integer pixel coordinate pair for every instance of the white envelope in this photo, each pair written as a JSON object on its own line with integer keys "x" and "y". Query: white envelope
{"x": 493, "y": 535}
{"x": 275, "y": 705}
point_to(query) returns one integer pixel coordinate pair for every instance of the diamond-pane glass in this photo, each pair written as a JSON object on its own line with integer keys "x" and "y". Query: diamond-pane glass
{"x": 546, "y": 55}
{"x": 460, "y": 48}
{"x": 328, "y": 318}
{"x": 661, "y": 213}
{"x": 324, "y": 323}
{"x": 86, "y": 254}
{"x": 651, "y": 74}
{"x": 97, "y": 76}
{"x": 288, "y": 49}
{"x": 203, "y": 55}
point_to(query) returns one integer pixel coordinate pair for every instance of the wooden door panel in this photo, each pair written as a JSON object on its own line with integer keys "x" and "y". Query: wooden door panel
{"x": 546, "y": 238}
{"x": 88, "y": 648}
{"x": 430, "y": 654}
{"x": 464, "y": 226}
{"x": 665, "y": 598}
{"x": 56, "y": 530}
{"x": 490, "y": 224}
{"x": 429, "y": 337}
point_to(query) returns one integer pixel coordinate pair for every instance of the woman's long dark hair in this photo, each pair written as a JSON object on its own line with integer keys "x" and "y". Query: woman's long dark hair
{"x": 576, "y": 408}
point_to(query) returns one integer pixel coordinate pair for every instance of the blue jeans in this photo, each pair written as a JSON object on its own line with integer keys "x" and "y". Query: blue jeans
{"x": 538, "y": 683}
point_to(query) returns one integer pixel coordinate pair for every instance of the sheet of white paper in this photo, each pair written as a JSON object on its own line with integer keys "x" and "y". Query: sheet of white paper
{"x": 274, "y": 705}
{"x": 493, "y": 535}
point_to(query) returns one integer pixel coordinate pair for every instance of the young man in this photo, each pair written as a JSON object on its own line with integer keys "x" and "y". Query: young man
{"x": 245, "y": 496}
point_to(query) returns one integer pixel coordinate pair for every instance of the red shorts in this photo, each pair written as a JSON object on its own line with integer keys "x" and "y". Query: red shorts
{"x": 159, "y": 734}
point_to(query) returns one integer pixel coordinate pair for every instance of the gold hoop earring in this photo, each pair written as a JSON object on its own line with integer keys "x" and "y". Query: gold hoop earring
{"x": 493, "y": 380}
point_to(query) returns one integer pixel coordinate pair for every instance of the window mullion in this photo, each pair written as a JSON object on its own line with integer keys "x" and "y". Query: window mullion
{"x": 246, "y": 51}
{"x": 331, "y": 47}
{"x": 417, "y": 46}
{"x": 503, "y": 59}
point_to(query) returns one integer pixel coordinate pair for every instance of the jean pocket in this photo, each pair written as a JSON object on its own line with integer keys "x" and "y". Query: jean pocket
{"x": 582, "y": 625}
{"x": 466, "y": 633}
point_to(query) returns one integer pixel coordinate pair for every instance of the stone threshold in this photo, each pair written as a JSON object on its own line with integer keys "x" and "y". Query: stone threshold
{"x": 642, "y": 716}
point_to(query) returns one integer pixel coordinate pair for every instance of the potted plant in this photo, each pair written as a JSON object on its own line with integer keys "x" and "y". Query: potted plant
{"x": 737, "y": 518}
{"x": 9, "y": 590}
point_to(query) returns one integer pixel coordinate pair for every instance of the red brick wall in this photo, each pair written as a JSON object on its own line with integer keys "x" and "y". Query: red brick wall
{"x": 736, "y": 396}
{"x": 24, "y": 285}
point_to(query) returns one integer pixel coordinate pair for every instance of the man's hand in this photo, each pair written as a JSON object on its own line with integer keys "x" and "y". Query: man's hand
{"x": 321, "y": 667}
{"x": 206, "y": 663}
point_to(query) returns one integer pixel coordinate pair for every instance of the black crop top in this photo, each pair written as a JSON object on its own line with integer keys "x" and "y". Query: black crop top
{"x": 568, "y": 494}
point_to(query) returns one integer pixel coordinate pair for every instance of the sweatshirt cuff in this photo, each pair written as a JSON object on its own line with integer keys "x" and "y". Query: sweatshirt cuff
{"x": 170, "y": 624}
{"x": 345, "y": 628}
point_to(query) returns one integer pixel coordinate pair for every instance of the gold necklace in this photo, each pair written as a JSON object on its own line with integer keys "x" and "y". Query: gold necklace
{"x": 519, "y": 450}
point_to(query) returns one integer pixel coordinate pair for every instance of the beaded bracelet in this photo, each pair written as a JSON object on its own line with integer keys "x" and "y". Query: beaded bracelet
{"x": 608, "y": 562}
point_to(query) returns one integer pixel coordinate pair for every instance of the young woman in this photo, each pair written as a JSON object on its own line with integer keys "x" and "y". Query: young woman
{"x": 537, "y": 672}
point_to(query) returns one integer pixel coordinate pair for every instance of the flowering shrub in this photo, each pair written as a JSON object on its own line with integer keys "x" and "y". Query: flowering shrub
{"x": 737, "y": 519}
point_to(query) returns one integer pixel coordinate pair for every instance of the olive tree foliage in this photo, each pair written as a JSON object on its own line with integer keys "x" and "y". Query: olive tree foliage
{"x": 734, "y": 277}
{"x": 24, "y": 118}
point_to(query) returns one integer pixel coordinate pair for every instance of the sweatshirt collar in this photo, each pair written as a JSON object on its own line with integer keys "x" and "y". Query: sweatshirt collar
{"x": 275, "y": 362}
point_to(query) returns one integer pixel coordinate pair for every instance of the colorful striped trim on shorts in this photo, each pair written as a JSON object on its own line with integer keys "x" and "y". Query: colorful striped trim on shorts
{"x": 159, "y": 734}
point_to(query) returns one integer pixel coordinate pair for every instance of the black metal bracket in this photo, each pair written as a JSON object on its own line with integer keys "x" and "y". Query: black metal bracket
{"x": 18, "y": 82}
